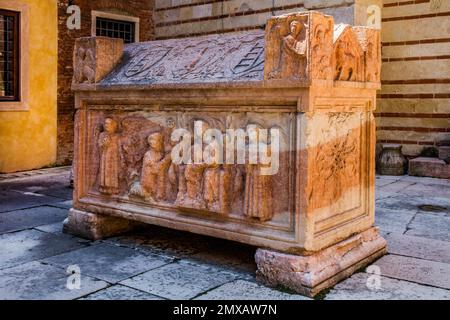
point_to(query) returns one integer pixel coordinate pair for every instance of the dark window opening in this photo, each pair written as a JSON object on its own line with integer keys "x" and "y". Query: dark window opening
{"x": 9, "y": 55}
{"x": 115, "y": 29}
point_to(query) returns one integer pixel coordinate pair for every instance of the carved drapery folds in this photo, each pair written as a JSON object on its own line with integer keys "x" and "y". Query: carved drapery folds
{"x": 134, "y": 161}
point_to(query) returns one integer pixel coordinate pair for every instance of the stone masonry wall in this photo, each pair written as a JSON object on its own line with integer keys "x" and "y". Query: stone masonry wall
{"x": 414, "y": 104}
{"x": 142, "y": 9}
{"x": 180, "y": 18}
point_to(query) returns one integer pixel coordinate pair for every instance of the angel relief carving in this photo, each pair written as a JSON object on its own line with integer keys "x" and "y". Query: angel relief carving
{"x": 84, "y": 65}
{"x": 289, "y": 55}
{"x": 293, "y": 55}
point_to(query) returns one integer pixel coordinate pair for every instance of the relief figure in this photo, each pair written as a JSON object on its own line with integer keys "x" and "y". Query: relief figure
{"x": 258, "y": 201}
{"x": 84, "y": 66}
{"x": 155, "y": 169}
{"x": 110, "y": 158}
{"x": 293, "y": 54}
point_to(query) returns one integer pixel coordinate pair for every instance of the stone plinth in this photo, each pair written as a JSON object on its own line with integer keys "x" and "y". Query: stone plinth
{"x": 265, "y": 138}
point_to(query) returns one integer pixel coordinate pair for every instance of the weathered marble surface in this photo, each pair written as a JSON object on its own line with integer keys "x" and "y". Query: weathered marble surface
{"x": 215, "y": 58}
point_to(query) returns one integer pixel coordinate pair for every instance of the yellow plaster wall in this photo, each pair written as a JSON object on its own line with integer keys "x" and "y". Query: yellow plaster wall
{"x": 28, "y": 137}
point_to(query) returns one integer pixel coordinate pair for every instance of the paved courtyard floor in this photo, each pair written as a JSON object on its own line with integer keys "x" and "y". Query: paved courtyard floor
{"x": 36, "y": 258}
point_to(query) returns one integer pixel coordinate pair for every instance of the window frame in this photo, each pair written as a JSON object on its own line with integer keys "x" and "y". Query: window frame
{"x": 113, "y": 16}
{"x": 16, "y": 97}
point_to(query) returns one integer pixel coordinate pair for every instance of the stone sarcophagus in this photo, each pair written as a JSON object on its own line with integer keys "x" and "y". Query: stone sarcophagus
{"x": 261, "y": 137}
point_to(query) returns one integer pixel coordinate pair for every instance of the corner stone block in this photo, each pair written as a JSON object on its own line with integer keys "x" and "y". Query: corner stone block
{"x": 96, "y": 226}
{"x": 94, "y": 58}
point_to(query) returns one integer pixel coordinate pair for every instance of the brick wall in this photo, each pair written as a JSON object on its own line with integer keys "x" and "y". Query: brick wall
{"x": 180, "y": 18}
{"x": 142, "y": 9}
{"x": 414, "y": 104}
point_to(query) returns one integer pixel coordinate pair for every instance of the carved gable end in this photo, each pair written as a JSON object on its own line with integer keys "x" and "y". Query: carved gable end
{"x": 348, "y": 56}
{"x": 287, "y": 47}
{"x": 369, "y": 40}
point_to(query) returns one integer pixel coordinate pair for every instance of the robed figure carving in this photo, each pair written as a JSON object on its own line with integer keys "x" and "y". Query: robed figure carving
{"x": 155, "y": 169}
{"x": 110, "y": 158}
{"x": 258, "y": 202}
{"x": 293, "y": 53}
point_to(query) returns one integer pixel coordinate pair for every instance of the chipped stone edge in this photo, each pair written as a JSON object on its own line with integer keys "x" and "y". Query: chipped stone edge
{"x": 309, "y": 275}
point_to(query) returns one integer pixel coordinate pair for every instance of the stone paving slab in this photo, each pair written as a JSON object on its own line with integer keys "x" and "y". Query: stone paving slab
{"x": 245, "y": 290}
{"x": 35, "y": 173}
{"x": 37, "y": 183}
{"x": 396, "y": 186}
{"x": 56, "y": 228}
{"x": 37, "y": 281}
{"x": 29, "y": 245}
{"x": 425, "y": 180}
{"x": 181, "y": 280}
{"x": 381, "y": 181}
{"x": 382, "y": 195}
{"x": 421, "y": 271}
{"x": 28, "y": 218}
{"x": 108, "y": 262}
{"x": 428, "y": 190}
{"x": 63, "y": 204}
{"x": 355, "y": 288}
{"x": 120, "y": 292}
{"x": 412, "y": 203}
{"x": 63, "y": 192}
{"x": 430, "y": 226}
{"x": 393, "y": 220}
{"x": 13, "y": 200}
{"x": 418, "y": 247}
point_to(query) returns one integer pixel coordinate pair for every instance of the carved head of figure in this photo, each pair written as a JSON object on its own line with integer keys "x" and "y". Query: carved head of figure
{"x": 110, "y": 126}
{"x": 156, "y": 141}
{"x": 296, "y": 28}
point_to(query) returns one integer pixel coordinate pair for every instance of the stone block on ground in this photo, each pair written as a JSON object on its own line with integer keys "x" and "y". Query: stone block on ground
{"x": 429, "y": 167}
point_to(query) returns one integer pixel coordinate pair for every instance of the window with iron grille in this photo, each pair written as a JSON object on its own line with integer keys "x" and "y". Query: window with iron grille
{"x": 9, "y": 55}
{"x": 115, "y": 29}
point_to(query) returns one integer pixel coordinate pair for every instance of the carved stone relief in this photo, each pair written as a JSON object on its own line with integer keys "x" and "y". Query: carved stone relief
{"x": 348, "y": 57}
{"x": 369, "y": 40}
{"x": 135, "y": 163}
{"x": 108, "y": 143}
{"x": 225, "y": 57}
{"x": 336, "y": 161}
{"x": 287, "y": 54}
{"x": 321, "y": 47}
{"x": 84, "y": 63}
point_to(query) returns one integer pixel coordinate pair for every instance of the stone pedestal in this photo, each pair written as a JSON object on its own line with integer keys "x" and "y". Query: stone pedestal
{"x": 310, "y": 274}
{"x": 297, "y": 100}
{"x": 96, "y": 226}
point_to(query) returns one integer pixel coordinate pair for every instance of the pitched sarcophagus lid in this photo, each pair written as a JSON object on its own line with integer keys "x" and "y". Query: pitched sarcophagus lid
{"x": 264, "y": 137}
